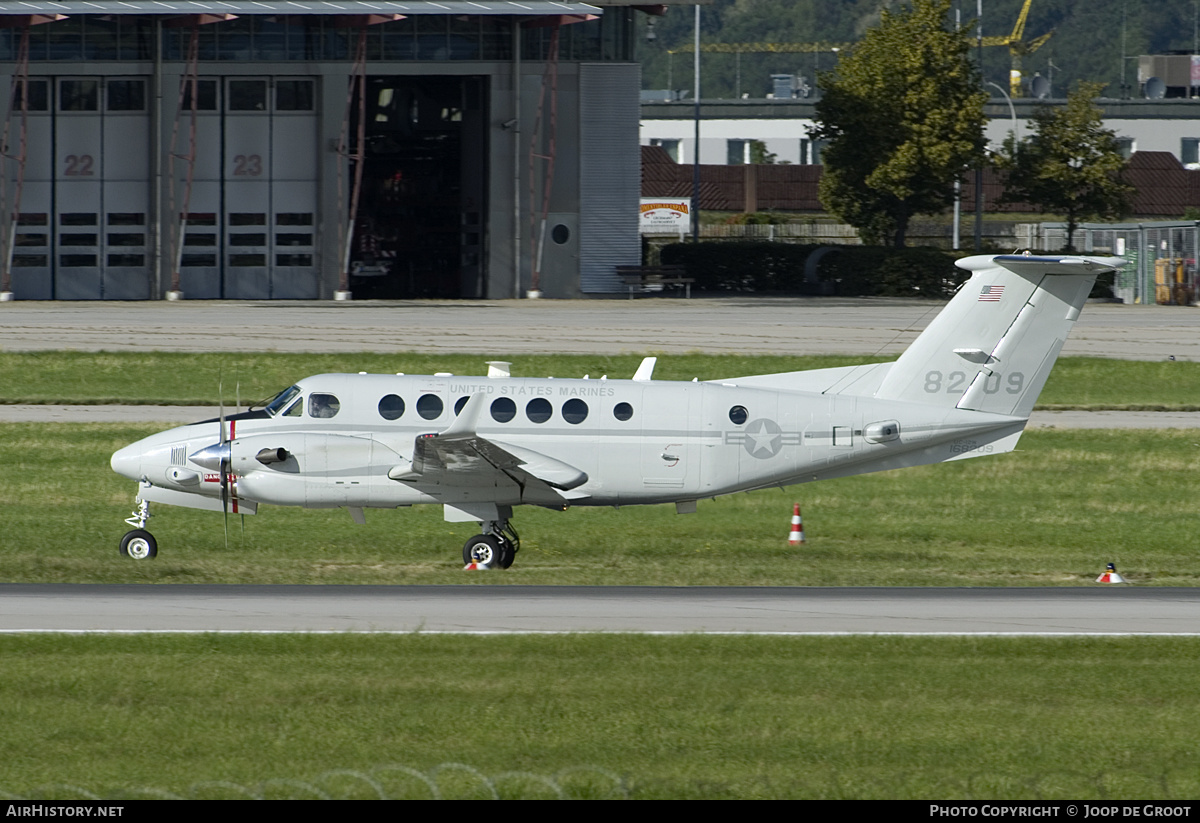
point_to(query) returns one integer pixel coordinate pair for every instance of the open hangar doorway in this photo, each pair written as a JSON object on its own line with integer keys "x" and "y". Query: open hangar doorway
{"x": 420, "y": 225}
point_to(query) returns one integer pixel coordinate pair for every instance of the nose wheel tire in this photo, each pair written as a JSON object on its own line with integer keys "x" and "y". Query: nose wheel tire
{"x": 488, "y": 551}
{"x": 139, "y": 544}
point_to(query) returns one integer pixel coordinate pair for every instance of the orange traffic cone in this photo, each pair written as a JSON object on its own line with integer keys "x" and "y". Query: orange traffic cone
{"x": 1110, "y": 575}
{"x": 796, "y": 538}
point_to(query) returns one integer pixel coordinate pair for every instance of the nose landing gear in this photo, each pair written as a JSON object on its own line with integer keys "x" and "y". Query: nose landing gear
{"x": 139, "y": 544}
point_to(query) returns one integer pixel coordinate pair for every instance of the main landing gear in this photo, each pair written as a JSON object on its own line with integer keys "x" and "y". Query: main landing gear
{"x": 139, "y": 544}
{"x": 496, "y": 548}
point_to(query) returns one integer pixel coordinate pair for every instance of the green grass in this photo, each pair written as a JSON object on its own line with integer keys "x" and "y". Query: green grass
{"x": 1094, "y": 383}
{"x": 1052, "y": 513}
{"x": 600, "y": 716}
{"x": 169, "y": 378}
{"x": 193, "y": 379}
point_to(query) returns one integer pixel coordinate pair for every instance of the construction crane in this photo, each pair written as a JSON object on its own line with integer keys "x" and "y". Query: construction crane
{"x": 761, "y": 48}
{"x": 1018, "y": 47}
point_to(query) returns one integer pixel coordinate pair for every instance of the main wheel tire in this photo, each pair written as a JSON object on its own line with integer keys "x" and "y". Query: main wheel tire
{"x": 508, "y": 552}
{"x": 487, "y": 551}
{"x": 139, "y": 544}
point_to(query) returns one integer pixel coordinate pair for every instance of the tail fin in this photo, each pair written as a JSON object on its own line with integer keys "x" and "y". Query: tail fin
{"x": 992, "y": 348}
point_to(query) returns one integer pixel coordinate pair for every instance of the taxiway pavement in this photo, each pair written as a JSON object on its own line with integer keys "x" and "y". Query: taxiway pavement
{"x": 736, "y": 325}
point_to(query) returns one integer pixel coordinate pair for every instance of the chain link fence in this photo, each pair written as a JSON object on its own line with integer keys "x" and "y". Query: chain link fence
{"x": 1161, "y": 257}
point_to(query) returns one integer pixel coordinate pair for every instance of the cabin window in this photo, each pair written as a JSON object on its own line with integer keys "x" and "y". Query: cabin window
{"x": 503, "y": 409}
{"x": 575, "y": 411}
{"x": 429, "y": 406}
{"x": 539, "y": 410}
{"x": 738, "y": 415}
{"x": 458, "y": 404}
{"x": 391, "y": 407}
{"x": 622, "y": 411}
{"x": 323, "y": 405}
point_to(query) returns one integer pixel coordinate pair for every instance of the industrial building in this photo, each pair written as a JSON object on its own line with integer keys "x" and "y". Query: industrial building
{"x": 728, "y": 127}
{"x": 310, "y": 150}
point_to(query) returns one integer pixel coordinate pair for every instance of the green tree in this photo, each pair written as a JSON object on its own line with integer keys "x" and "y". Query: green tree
{"x": 759, "y": 154}
{"x": 902, "y": 117}
{"x": 1071, "y": 165}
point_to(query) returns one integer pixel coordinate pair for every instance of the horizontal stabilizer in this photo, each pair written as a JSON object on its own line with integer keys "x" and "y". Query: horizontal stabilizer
{"x": 1035, "y": 265}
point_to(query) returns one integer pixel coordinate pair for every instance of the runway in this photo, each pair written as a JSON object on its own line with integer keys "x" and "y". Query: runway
{"x": 486, "y": 609}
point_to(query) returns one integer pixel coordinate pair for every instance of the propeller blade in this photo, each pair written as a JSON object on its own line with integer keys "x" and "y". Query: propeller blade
{"x": 224, "y": 465}
{"x": 225, "y": 498}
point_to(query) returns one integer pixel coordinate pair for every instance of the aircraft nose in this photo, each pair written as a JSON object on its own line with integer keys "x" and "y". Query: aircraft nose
{"x": 127, "y": 462}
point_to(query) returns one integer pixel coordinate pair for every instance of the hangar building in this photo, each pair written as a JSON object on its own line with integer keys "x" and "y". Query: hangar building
{"x": 264, "y": 149}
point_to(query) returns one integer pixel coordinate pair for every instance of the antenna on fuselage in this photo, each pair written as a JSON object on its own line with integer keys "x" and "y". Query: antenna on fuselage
{"x": 646, "y": 370}
{"x": 499, "y": 368}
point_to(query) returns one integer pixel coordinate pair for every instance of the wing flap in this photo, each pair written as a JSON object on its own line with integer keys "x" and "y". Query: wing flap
{"x": 459, "y": 456}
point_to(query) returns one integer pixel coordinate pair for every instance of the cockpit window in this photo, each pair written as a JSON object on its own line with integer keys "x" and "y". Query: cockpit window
{"x": 322, "y": 405}
{"x": 296, "y": 410}
{"x": 279, "y": 402}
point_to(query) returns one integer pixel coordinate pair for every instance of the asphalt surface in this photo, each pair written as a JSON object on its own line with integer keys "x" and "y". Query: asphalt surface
{"x": 1113, "y": 610}
{"x": 743, "y": 325}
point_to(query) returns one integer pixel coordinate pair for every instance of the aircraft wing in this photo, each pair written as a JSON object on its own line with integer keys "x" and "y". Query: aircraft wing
{"x": 459, "y": 457}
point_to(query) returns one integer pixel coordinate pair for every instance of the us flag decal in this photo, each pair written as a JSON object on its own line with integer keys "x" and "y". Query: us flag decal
{"x": 991, "y": 294}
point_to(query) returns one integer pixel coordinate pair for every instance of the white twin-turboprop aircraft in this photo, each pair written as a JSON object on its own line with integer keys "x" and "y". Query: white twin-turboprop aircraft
{"x": 479, "y": 446}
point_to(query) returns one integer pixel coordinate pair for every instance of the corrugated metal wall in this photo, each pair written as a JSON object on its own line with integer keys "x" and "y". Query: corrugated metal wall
{"x": 610, "y": 185}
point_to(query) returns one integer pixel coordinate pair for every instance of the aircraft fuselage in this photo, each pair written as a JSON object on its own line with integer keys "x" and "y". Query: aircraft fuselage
{"x": 636, "y": 442}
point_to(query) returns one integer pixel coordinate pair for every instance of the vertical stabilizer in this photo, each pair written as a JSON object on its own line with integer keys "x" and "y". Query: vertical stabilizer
{"x": 993, "y": 346}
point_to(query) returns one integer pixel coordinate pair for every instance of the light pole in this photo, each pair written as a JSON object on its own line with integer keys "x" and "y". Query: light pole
{"x": 1016, "y": 129}
{"x": 979, "y": 168}
{"x": 696, "y": 118}
{"x": 817, "y": 52}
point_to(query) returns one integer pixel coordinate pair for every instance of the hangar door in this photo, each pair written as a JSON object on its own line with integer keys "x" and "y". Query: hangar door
{"x": 85, "y": 203}
{"x": 420, "y": 230}
{"x": 251, "y": 231}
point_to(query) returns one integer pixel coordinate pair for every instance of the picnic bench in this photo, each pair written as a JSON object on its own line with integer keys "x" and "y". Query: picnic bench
{"x": 647, "y": 279}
